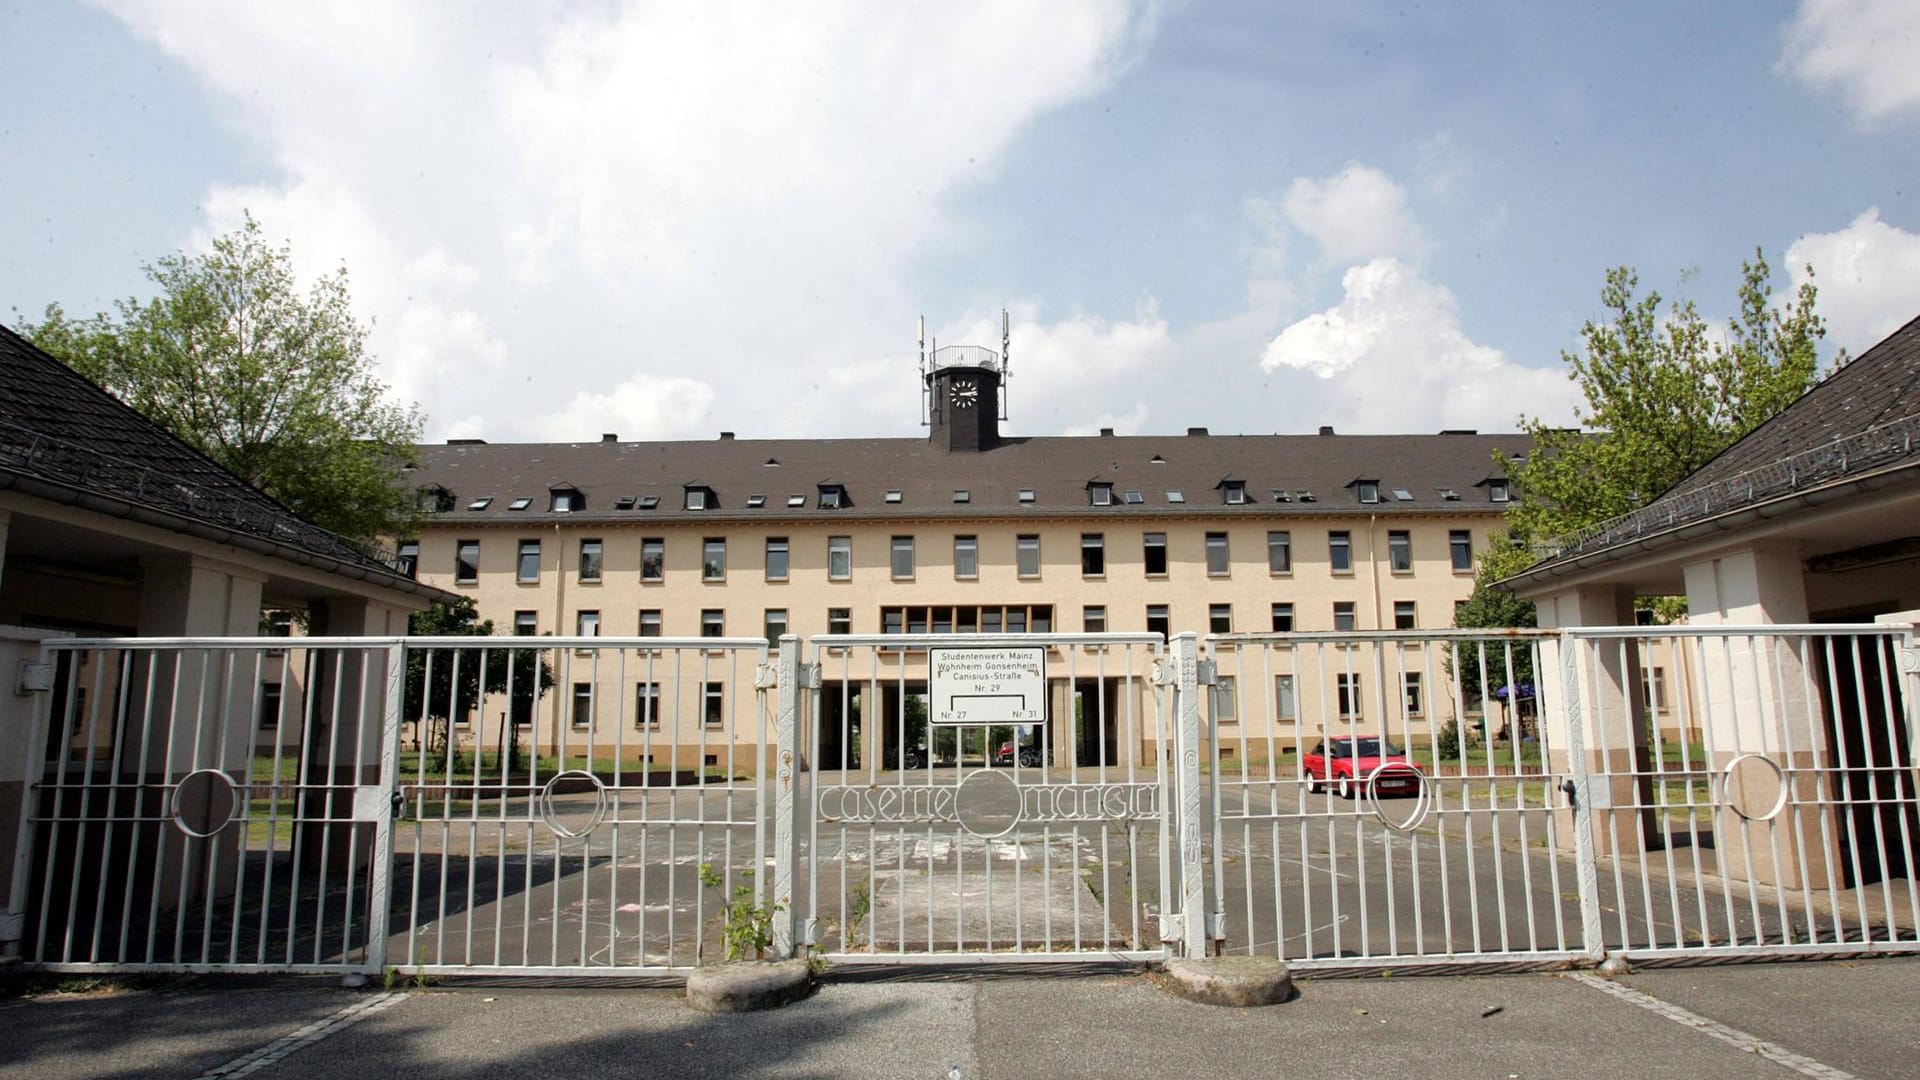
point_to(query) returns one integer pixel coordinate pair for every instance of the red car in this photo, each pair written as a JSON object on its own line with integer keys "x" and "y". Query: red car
{"x": 1346, "y": 762}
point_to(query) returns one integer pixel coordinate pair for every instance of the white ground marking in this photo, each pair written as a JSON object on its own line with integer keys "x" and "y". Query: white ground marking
{"x": 271, "y": 1054}
{"x": 1773, "y": 1052}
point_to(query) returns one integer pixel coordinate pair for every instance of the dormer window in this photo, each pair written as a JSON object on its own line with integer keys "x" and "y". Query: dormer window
{"x": 565, "y": 500}
{"x": 481, "y": 503}
{"x": 1233, "y": 492}
{"x": 433, "y": 499}
{"x": 520, "y": 503}
{"x": 833, "y": 496}
{"x": 1100, "y": 494}
{"x": 1369, "y": 490}
{"x": 698, "y": 497}
{"x": 1497, "y": 489}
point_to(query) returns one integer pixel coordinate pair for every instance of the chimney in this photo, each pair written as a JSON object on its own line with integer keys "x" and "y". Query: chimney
{"x": 726, "y": 436}
{"x": 1106, "y": 433}
{"x": 609, "y": 436}
{"x": 1326, "y": 429}
{"x": 1196, "y": 431}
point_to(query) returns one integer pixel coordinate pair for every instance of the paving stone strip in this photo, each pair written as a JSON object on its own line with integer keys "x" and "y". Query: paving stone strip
{"x": 1753, "y": 1044}
{"x": 254, "y": 1060}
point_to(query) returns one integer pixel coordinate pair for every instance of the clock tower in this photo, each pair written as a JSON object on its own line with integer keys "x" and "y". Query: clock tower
{"x": 963, "y": 395}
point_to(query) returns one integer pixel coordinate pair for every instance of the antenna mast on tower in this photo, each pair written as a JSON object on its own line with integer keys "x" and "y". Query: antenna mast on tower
{"x": 1006, "y": 370}
{"x": 925, "y": 388}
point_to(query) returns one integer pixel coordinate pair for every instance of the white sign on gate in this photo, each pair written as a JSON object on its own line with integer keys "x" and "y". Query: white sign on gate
{"x": 987, "y": 685}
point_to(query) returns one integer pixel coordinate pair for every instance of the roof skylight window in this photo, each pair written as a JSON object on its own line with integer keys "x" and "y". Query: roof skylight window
{"x": 754, "y": 502}
{"x": 1176, "y": 497}
{"x": 1134, "y": 498}
{"x": 1026, "y": 495}
{"x": 520, "y": 503}
{"x": 1282, "y": 495}
{"x": 893, "y": 496}
{"x": 481, "y": 503}
{"x": 1403, "y": 494}
{"x": 624, "y": 502}
{"x": 1449, "y": 494}
{"x": 962, "y": 496}
{"x": 796, "y": 500}
{"x": 648, "y": 502}
{"x": 1302, "y": 495}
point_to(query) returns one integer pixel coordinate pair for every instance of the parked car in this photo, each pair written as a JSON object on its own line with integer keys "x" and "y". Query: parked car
{"x": 1346, "y": 762}
{"x": 1028, "y": 756}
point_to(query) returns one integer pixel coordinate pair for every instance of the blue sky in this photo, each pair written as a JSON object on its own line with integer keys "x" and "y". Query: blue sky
{"x": 670, "y": 220}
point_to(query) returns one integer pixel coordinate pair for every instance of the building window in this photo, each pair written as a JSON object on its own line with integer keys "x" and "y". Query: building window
{"x": 525, "y": 624}
{"x": 839, "y": 620}
{"x": 902, "y": 558}
{"x": 1282, "y": 618}
{"x": 776, "y": 558}
{"x": 269, "y": 705}
{"x": 1158, "y": 621}
{"x": 1343, "y": 615}
{"x": 529, "y": 569}
{"x": 1403, "y": 615}
{"x": 1226, "y": 698}
{"x": 589, "y": 560}
{"x": 1093, "y": 554}
{"x": 696, "y": 499}
{"x": 1340, "y": 552}
{"x": 1027, "y": 555}
{"x": 776, "y": 624}
{"x": 1286, "y": 708}
{"x": 966, "y": 557}
{"x": 653, "y": 559}
{"x": 966, "y": 620}
{"x": 407, "y": 558}
{"x": 1279, "y": 553}
{"x": 713, "y": 559}
{"x": 1347, "y": 689}
{"x": 1154, "y": 552}
{"x": 893, "y": 621}
{"x": 713, "y": 623}
{"x": 1497, "y": 490}
{"x": 832, "y": 496}
{"x": 587, "y": 624}
{"x": 1042, "y": 615}
{"x": 1400, "y": 551}
{"x": 1460, "y": 542}
{"x": 562, "y": 500}
{"x": 1413, "y": 694}
{"x": 713, "y": 702}
{"x": 1024, "y": 495}
{"x": 466, "y": 562}
{"x": 1100, "y": 494}
{"x": 839, "y": 558}
{"x": 649, "y": 622}
{"x": 1369, "y": 491}
{"x": 1093, "y": 619}
{"x": 1220, "y": 618}
{"x": 582, "y": 704}
{"x": 646, "y": 704}
{"x": 1656, "y": 689}
{"x": 1216, "y": 554}
{"x": 1234, "y": 492}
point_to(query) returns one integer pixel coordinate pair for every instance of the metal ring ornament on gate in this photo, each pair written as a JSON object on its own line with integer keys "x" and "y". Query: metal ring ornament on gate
{"x": 212, "y": 781}
{"x": 1726, "y": 787}
{"x": 551, "y": 818}
{"x": 1423, "y": 802}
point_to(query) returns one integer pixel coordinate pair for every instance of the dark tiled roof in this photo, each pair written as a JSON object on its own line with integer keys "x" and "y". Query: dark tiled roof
{"x": 1863, "y": 418}
{"x": 1057, "y": 469}
{"x": 58, "y": 428}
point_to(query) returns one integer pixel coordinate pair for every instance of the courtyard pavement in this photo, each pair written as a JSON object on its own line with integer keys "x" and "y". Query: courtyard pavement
{"x": 1826, "y": 1019}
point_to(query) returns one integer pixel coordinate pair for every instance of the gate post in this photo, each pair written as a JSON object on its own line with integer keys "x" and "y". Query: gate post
{"x": 786, "y": 924}
{"x": 380, "y": 902}
{"x": 1186, "y": 711}
{"x": 37, "y": 710}
{"x": 1586, "y": 865}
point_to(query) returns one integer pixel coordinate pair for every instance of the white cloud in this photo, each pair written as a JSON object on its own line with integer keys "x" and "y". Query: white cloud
{"x": 1392, "y": 356}
{"x": 594, "y": 197}
{"x": 645, "y": 407}
{"x": 1863, "y": 50}
{"x": 1082, "y": 366}
{"x": 1356, "y": 214}
{"x": 1866, "y": 274}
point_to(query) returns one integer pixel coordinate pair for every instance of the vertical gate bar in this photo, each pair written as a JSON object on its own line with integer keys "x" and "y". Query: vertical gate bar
{"x": 34, "y": 776}
{"x": 142, "y": 763}
{"x": 1902, "y": 642}
{"x": 1663, "y": 801}
{"x": 1690, "y": 648}
{"x": 379, "y": 912}
{"x": 113, "y": 804}
{"x": 1632, "y": 653}
{"x": 787, "y": 928}
{"x": 1193, "y": 900}
{"x": 1162, "y": 751}
{"x": 1542, "y": 732}
{"x": 243, "y": 805}
{"x": 1798, "y": 836}
{"x": 1593, "y": 938}
{"x": 91, "y": 729}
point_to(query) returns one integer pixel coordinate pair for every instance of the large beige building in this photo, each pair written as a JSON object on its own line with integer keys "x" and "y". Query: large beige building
{"x": 965, "y": 530}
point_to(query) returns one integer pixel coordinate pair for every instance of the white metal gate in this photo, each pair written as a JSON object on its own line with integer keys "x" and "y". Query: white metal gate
{"x": 968, "y": 841}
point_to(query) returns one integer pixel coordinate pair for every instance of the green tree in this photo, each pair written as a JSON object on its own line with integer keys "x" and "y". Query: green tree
{"x": 1663, "y": 396}
{"x": 1489, "y": 607}
{"x": 447, "y": 683}
{"x": 272, "y": 383}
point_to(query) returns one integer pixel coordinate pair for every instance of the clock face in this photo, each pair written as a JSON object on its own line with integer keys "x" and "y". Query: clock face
{"x": 965, "y": 394}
